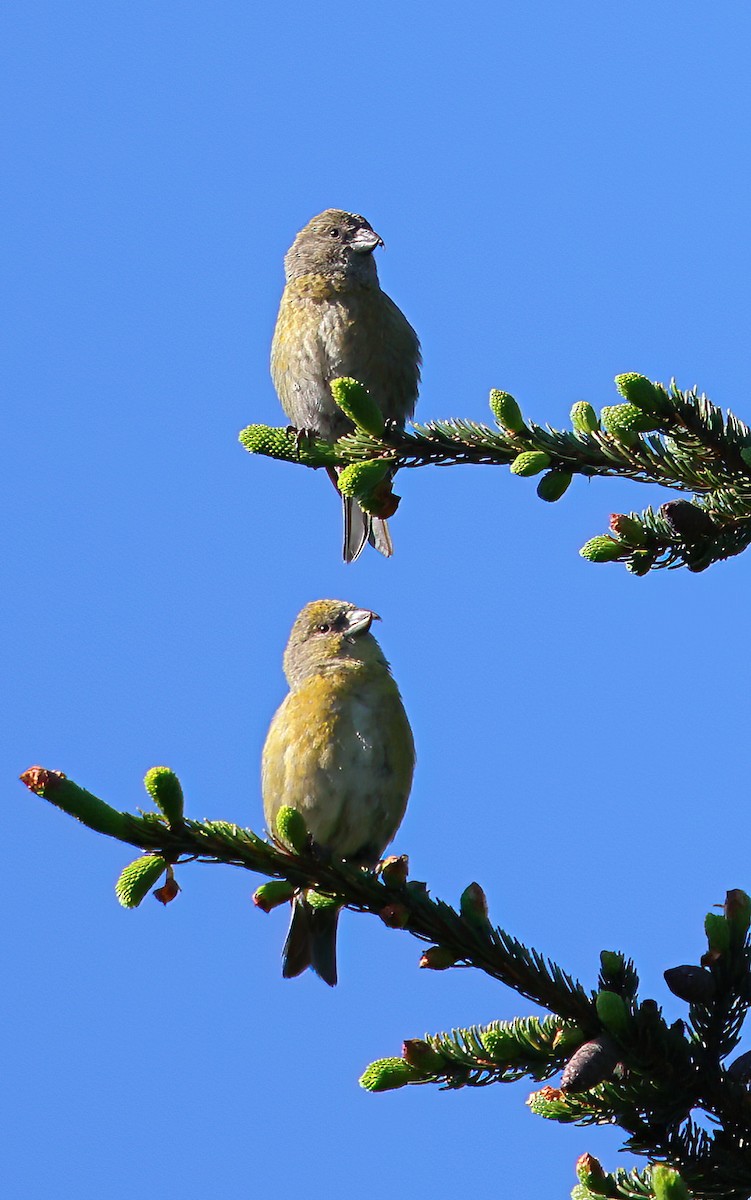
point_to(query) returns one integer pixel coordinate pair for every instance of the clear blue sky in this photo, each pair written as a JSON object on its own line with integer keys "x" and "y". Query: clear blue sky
{"x": 564, "y": 195}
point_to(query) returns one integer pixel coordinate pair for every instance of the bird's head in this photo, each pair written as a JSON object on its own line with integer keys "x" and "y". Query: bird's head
{"x": 329, "y": 634}
{"x": 334, "y": 243}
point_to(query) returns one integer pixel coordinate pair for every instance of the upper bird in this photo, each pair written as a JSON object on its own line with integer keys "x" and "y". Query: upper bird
{"x": 340, "y": 751}
{"x": 334, "y": 320}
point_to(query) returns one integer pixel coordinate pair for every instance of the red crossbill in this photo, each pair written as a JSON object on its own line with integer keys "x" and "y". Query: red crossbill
{"x": 340, "y": 751}
{"x": 333, "y": 321}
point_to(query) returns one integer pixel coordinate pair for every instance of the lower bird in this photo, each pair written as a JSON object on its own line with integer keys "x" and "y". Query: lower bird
{"x": 334, "y": 320}
{"x": 340, "y": 751}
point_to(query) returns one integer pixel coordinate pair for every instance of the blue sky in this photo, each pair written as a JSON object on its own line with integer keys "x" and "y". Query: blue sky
{"x": 564, "y": 195}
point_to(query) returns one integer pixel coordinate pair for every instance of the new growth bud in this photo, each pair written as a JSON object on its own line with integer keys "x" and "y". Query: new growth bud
{"x": 601, "y": 549}
{"x": 387, "y": 1074}
{"x": 611, "y": 964}
{"x": 287, "y": 445}
{"x": 164, "y": 788}
{"x": 639, "y": 391}
{"x": 668, "y": 1185}
{"x": 584, "y": 418}
{"x": 356, "y": 402}
{"x": 554, "y": 485}
{"x": 589, "y": 1172}
{"x": 717, "y": 930}
{"x": 137, "y": 879}
{"x": 360, "y": 479}
{"x": 271, "y": 895}
{"x": 612, "y": 1011}
{"x": 530, "y": 462}
{"x": 291, "y": 830}
{"x": 622, "y": 421}
{"x": 506, "y": 411}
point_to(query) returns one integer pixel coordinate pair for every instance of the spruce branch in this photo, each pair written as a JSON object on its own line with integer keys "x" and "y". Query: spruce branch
{"x": 619, "y": 1061}
{"x": 467, "y": 940}
{"x": 658, "y": 435}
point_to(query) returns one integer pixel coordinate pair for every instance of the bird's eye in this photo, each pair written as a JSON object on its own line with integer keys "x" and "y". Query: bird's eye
{"x": 322, "y": 628}
{"x": 334, "y": 233}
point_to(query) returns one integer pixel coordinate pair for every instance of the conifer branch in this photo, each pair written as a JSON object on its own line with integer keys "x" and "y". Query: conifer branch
{"x": 659, "y": 435}
{"x": 619, "y": 1062}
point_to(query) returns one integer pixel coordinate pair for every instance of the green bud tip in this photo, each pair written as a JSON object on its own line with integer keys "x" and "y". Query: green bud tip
{"x": 589, "y": 1171}
{"x": 387, "y": 1074}
{"x": 271, "y": 895}
{"x": 268, "y": 440}
{"x": 667, "y": 1184}
{"x": 137, "y": 879}
{"x": 72, "y": 799}
{"x": 612, "y": 1011}
{"x": 554, "y": 485}
{"x": 506, "y": 411}
{"x": 164, "y": 788}
{"x": 639, "y": 391}
{"x": 717, "y": 929}
{"x": 291, "y": 829}
{"x": 622, "y": 420}
{"x": 584, "y": 418}
{"x": 601, "y": 549}
{"x": 530, "y": 462}
{"x": 359, "y": 479}
{"x": 356, "y": 402}
{"x": 611, "y": 962}
{"x": 288, "y": 445}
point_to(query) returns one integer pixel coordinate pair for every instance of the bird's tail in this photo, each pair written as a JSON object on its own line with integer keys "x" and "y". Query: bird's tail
{"x": 311, "y": 941}
{"x": 359, "y": 528}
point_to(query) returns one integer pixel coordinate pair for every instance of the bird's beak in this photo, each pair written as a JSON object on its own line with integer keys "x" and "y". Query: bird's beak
{"x": 359, "y": 621}
{"x": 365, "y": 241}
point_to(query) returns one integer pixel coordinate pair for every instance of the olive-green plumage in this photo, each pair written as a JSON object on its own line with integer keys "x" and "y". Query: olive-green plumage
{"x": 340, "y": 751}
{"x": 334, "y": 320}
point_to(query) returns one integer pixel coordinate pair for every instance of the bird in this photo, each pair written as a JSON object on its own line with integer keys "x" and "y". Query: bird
{"x": 334, "y": 320}
{"x": 340, "y": 751}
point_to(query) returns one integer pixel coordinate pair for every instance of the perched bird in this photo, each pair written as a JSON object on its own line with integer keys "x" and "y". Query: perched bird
{"x": 334, "y": 321}
{"x": 340, "y": 751}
